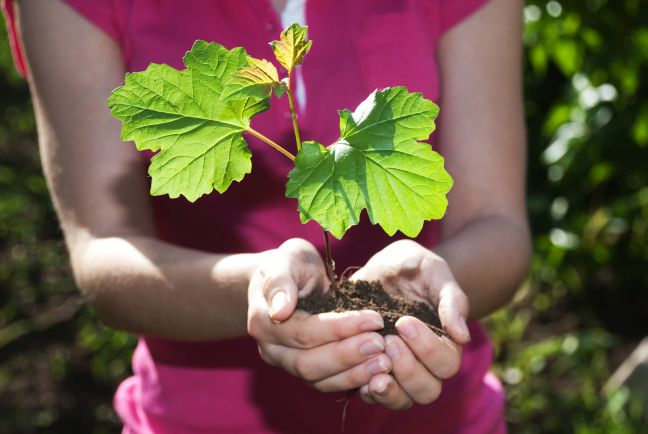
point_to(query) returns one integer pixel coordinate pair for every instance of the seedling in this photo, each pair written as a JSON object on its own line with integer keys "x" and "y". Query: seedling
{"x": 196, "y": 118}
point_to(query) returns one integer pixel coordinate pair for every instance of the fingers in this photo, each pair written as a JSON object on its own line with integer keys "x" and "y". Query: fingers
{"x": 278, "y": 286}
{"x": 440, "y": 356}
{"x": 384, "y": 389}
{"x": 419, "y": 274}
{"x": 357, "y": 376}
{"x": 303, "y": 330}
{"x": 294, "y": 266}
{"x": 420, "y": 359}
{"x": 412, "y": 382}
{"x": 453, "y": 311}
{"x": 281, "y": 295}
{"x": 365, "y": 395}
{"x": 330, "y": 359}
{"x": 273, "y": 290}
{"x": 412, "y": 376}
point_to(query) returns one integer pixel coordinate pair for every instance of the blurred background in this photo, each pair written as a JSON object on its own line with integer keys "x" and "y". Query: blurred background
{"x": 579, "y": 315}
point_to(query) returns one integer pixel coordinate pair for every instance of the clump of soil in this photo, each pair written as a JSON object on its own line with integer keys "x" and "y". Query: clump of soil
{"x": 358, "y": 295}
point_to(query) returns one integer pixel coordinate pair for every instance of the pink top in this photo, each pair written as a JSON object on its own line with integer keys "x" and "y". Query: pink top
{"x": 360, "y": 45}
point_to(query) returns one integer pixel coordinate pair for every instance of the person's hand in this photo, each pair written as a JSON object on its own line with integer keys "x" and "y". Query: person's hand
{"x": 330, "y": 351}
{"x": 420, "y": 358}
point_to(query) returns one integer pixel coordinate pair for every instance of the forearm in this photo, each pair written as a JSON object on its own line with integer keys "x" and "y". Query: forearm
{"x": 489, "y": 257}
{"x": 146, "y": 286}
{"x": 485, "y": 235}
{"x": 99, "y": 189}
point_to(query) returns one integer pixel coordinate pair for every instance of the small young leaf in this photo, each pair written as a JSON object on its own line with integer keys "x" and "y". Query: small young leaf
{"x": 258, "y": 80}
{"x": 292, "y": 46}
{"x": 378, "y": 163}
{"x": 280, "y": 89}
{"x": 283, "y": 86}
{"x": 181, "y": 114}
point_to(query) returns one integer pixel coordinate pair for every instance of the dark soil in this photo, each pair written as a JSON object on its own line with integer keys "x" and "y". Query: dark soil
{"x": 360, "y": 295}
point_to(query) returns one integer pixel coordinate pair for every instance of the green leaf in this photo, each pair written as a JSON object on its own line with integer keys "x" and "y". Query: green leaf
{"x": 640, "y": 127}
{"x": 258, "y": 79}
{"x": 281, "y": 89}
{"x": 377, "y": 164}
{"x": 181, "y": 114}
{"x": 568, "y": 56}
{"x": 292, "y": 46}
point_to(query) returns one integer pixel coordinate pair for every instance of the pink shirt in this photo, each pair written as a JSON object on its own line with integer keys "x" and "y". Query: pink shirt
{"x": 224, "y": 387}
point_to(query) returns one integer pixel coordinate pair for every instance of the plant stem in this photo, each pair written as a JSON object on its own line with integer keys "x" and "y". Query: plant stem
{"x": 330, "y": 264}
{"x": 293, "y": 113}
{"x": 270, "y": 142}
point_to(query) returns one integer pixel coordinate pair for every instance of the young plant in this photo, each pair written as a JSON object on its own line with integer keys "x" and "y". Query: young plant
{"x": 196, "y": 118}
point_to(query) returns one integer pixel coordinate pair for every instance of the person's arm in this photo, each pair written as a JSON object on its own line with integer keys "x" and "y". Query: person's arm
{"x": 139, "y": 283}
{"x": 98, "y": 185}
{"x": 485, "y": 249}
{"x": 485, "y": 234}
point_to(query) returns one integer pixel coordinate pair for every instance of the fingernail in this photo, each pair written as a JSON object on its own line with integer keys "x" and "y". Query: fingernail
{"x": 392, "y": 350}
{"x": 278, "y": 301}
{"x": 377, "y": 366}
{"x": 373, "y": 324}
{"x": 407, "y": 329}
{"x": 381, "y": 386}
{"x": 464, "y": 327}
{"x": 371, "y": 347}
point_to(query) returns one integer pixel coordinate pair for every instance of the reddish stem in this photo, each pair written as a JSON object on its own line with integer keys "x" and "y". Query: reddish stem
{"x": 330, "y": 264}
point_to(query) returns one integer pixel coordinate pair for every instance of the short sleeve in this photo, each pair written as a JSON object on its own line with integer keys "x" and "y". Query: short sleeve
{"x": 102, "y": 13}
{"x": 452, "y": 12}
{"x": 14, "y": 41}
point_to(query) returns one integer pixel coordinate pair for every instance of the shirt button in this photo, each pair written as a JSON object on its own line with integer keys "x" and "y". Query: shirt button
{"x": 287, "y": 114}
{"x": 269, "y": 26}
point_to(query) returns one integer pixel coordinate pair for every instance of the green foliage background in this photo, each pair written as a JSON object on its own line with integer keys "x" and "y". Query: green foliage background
{"x": 582, "y": 309}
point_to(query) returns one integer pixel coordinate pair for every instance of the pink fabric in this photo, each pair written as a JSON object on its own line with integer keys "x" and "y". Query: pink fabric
{"x": 224, "y": 387}
{"x": 165, "y": 399}
{"x": 19, "y": 61}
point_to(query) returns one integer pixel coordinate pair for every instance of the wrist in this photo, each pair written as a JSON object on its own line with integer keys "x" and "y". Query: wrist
{"x": 239, "y": 267}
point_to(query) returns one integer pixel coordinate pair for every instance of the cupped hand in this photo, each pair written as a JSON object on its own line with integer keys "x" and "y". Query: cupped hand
{"x": 330, "y": 351}
{"x": 421, "y": 359}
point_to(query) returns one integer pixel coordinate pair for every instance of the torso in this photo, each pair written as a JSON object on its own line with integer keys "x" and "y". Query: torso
{"x": 183, "y": 387}
{"x": 279, "y": 5}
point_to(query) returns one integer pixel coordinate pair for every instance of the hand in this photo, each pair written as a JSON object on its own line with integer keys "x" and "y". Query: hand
{"x": 330, "y": 351}
{"x": 420, "y": 358}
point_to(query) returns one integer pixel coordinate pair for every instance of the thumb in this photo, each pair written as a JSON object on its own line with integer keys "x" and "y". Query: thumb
{"x": 280, "y": 291}
{"x": 453, "y": 311}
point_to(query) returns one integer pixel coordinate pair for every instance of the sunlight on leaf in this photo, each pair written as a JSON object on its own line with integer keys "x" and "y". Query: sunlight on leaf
{"x": 377, "y": 164}
{"x": 258, "y": 80}
{"x": 292, "y": 46}
{"x": 181, "y": 114}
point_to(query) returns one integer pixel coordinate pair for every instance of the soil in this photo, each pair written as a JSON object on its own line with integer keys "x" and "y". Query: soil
{"x": 360, "y": 295}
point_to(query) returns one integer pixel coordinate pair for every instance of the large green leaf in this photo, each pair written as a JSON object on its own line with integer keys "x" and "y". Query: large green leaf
{"x": 377, "y": 164}
{"x": 182, "y": 114}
